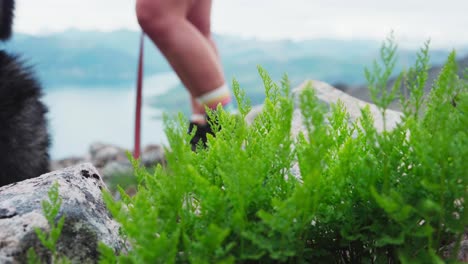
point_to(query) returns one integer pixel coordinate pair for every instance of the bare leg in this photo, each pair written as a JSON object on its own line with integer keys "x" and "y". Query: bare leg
{"x": 200, "y": 16}
{"x": 188, "y": 51}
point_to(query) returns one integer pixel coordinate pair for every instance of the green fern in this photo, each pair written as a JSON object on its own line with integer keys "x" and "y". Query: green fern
{"x": 49, "y": 239}
{"x": 363, "y": 196}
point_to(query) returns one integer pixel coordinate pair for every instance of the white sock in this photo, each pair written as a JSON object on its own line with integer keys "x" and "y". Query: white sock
{"x": 220, "y": 95}
{"x": 198, "y": 118}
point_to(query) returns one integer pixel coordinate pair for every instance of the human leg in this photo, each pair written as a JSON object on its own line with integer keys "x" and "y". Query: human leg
{"x": 181, "y": 30}
{"x": 200, "y": 16}
{"x": 190, "y": 54}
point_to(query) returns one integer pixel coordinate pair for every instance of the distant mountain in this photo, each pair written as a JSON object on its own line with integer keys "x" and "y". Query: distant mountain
{"x": 332, "y": 61}
{"x": 79, "y": 58}
{"x": 91, "y": 58}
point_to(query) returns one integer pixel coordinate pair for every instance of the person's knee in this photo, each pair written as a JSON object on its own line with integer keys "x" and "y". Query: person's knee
{"x": 152, "y": 16}
{"x": 145, "y": 12}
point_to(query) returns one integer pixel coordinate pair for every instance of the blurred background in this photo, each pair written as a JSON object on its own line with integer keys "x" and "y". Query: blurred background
{"x": 85, "y": 54}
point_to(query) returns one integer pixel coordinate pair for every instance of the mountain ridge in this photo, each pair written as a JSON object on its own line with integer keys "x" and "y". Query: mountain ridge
{"x": 100, "y": 55}
{"x": 108, "y": 59}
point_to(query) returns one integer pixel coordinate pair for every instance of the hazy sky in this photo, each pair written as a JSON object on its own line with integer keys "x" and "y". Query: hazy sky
{"x": 444, "y": 21}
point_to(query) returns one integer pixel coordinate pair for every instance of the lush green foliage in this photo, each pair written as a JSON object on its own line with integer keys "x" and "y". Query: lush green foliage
{"x": 362, "y": 197}
{"x": 49, "y": 239}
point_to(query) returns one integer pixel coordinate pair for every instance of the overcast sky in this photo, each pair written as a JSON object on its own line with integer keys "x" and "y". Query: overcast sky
{"x": 444, "y": 21}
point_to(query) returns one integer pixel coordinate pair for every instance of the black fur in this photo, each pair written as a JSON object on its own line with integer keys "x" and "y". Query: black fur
{"x": 24, "y": 140}
{"x": 6, "y": 18}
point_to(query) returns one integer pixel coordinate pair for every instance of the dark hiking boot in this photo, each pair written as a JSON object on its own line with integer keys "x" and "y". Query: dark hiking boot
{"x": 200, "y": 134}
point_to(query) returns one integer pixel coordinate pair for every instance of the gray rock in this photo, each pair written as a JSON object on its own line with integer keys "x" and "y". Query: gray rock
{"x": 152, "y": 155}
{"x": 463, "y": 252}
{"x": 101, "y": 154}
{"x": 112, "y": 160}
{"x": 87, "y": 220}
{"x": 329, "y": 95}
{"x": 114, "y": 168}
{"x": 462, "y": 255}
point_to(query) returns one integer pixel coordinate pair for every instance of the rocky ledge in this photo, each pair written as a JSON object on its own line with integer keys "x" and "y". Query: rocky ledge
{"x": 112, "y": 160}
{"x": 87, "y": 221}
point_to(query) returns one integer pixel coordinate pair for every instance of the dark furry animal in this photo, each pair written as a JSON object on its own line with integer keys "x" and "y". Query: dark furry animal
{"x": 6, "y": 18}
{"x": 24, "y": 140}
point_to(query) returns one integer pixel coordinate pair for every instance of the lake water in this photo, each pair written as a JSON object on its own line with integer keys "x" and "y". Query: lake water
{"x": 80, "y": 116}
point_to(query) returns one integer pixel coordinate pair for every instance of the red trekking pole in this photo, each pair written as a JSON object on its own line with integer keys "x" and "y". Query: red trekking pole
{"x": 137, "y": 143}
